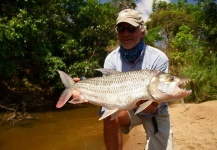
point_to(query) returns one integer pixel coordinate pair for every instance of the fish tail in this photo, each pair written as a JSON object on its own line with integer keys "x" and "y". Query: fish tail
{"x": 67, "y": 93}
{"x": 66, "y": 79}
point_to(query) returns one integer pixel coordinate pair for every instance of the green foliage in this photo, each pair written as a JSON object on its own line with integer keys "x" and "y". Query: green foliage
{"x": 124, "y": 4}
{"x": 169, "y": 20}
{"x": 153, "y": 36}
{"x": 207, "y": 21}
{"x": 189, "y": 34}
{"x": 39, "y": 37}
{"x": 94, "y": 29}
{"x": 203, "y": 78}
{"x": 182, "y": 46}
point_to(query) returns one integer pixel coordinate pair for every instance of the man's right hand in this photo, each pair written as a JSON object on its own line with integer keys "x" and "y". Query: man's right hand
{"x": 75, "y": 93}
{"x": 76, "y": 80}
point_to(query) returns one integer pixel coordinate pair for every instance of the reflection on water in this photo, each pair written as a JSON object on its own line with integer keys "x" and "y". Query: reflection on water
{"x": 77, "y": 129}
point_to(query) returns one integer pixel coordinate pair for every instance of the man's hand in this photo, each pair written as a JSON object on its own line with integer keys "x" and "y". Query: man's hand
{"x": 76, "y": 80}
{"x": 75, "y": 93}
{"x": 151, "y": 108}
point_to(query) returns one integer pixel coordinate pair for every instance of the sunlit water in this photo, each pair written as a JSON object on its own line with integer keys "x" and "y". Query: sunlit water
{"x": 75, "y": 129}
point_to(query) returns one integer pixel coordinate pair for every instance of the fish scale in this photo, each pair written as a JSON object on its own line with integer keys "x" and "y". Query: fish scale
{"x": 110, "y": 91}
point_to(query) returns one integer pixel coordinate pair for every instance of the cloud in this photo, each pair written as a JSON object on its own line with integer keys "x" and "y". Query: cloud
{"x": 145, "y": 7}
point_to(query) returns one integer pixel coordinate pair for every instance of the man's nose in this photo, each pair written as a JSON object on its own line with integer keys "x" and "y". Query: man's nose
{"x": 126, "y": 32}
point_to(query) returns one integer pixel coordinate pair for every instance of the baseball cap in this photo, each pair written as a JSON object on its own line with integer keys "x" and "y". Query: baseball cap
{"x": 130, "y": 16}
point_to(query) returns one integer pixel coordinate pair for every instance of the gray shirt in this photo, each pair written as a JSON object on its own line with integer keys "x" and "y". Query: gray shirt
{"x": 150, "y": 58}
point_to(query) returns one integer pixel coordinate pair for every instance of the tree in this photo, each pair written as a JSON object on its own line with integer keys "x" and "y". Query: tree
{"x": 93, "y": 32}
{"x": 39, "y": 37}
{"x": 169, "y": 17}
{"x": 189, "y": 34}
{"x": 124, "y": 4}
{"x": 207, "y": 22}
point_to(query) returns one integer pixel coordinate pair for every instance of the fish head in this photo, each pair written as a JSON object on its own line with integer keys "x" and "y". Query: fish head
{"x": 166, "y": 87}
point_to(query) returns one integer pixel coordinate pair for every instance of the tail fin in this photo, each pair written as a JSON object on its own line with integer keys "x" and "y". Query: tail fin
{"x": 67, "y": 93}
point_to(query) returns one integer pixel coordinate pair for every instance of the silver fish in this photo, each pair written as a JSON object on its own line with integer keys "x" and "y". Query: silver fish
{"x": 119, "y": 91}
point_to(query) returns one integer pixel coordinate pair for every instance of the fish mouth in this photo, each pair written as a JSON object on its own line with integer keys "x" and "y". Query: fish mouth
{"x": 184, "y": 86}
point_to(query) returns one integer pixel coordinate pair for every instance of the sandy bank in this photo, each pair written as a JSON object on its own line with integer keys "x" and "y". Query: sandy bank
{"x": 194, "y": 128}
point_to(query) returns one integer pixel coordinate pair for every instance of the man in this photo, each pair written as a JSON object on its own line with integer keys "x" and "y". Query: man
{"x": 133, "y": 54}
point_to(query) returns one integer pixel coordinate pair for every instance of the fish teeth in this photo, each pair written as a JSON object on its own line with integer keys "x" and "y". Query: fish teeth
{"x": 183, "y": 84}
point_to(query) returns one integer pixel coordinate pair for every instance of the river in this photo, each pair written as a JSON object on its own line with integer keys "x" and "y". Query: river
{"x": 61, "y": 129}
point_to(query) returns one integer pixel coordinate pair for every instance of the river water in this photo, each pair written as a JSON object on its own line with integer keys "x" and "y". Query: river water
{"x": 72, "y": 129}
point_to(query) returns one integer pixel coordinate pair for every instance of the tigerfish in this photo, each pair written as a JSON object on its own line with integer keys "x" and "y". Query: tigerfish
{"x": 119, "y": 91}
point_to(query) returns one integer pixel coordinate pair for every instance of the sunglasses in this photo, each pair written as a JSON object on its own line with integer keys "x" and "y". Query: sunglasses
{"x": 121, "y": 29}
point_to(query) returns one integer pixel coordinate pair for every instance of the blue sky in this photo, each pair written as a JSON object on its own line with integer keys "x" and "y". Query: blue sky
{"x": 145, "y": 6}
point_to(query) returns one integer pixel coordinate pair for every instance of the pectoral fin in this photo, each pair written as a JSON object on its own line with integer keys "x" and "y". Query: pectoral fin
{"x": 144, "y": 106}
{"x": 114, "y": 115}
{"x": 108, "y": 113}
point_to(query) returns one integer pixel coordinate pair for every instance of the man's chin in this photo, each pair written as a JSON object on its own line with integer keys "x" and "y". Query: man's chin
{"x": 127, "y": 46}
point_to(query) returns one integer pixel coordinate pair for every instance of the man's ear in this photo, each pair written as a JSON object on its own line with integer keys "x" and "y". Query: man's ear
{"x": 142, "y": 34}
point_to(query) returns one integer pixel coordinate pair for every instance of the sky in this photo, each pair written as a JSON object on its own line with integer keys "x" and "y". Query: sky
{"x": 145, "y": 6}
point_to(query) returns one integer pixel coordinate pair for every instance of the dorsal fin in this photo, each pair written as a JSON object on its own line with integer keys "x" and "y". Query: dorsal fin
{"x": 107, "y": 72}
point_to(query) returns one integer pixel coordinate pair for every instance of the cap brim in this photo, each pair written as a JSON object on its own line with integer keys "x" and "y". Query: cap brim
{"x": 133, "y": 23}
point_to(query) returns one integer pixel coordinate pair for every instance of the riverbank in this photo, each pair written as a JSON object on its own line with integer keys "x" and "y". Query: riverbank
{"x": 194, "y": 127}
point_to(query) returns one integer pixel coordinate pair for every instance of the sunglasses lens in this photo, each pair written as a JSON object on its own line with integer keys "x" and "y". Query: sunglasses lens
{"x": 120, "y": 29}
{"x": 130, "y": 29}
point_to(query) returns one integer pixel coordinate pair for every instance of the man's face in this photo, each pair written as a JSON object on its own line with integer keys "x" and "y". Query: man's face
{"x": 128, "y": 35}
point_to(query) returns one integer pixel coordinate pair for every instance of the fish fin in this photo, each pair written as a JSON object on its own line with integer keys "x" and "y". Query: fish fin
{"x": 67, "y": 93}
{"x": 66, "y": 79}
{"x": 108, "y": 113}
{"x": 107, "y": 72}
{"x": 114, "y": 115}
{"x": 144, "y": 106}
